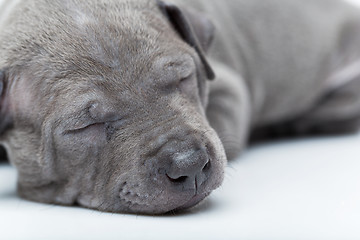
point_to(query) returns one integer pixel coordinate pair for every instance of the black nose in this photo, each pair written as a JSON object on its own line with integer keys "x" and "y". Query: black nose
{"x": 186, "y": 169}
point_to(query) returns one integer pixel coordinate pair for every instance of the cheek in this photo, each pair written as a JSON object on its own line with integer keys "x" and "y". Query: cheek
{"x": 81, "y": 146}
{"x": 191, "y": 90}
{"x": 189, "y": 86}
{"x": 191, "y": 95}
{"x": 23, "y": 149}
{"x": 21, "y": 98}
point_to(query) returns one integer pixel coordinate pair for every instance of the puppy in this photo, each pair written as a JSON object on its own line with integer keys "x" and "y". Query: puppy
{"x": 135, "y": 105}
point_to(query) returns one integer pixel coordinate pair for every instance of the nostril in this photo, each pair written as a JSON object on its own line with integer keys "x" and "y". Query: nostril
{"x": 206, "y": 167}
{"x": 181, "y": 179}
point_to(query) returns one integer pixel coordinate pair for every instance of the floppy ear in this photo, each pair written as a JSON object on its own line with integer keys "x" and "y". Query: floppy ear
{"x": 5, "y": 120}
{"x": 194, "y": 28}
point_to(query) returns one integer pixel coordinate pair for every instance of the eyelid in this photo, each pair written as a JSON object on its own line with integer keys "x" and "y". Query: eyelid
{"x": 75, "y": 122}
{"x": 188, "y": 76}
{"x": 117, "y": 123}
{"x": 91, "y": 113}
{"x": 187, "y": 70}
{"x": 183, "y": 66}
{"x": 84, "y": 128}
{"x": 102, "y": 112}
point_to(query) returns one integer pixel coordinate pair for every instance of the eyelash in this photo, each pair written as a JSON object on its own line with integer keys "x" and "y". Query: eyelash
{"x": 99, "y": 128}
{"x": 187, "y": 78}
{"x": 88, "y": 127}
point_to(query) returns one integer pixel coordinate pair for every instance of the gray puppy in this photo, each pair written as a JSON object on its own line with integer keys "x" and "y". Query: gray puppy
{"x": 109, "y": 104}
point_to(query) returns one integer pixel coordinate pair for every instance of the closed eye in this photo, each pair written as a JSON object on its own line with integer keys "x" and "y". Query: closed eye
{"x": 91, "y": 127}
{"x": 187, "y": 78}
{"x": 97, "y": 131}
{"x": 90, "y": 133}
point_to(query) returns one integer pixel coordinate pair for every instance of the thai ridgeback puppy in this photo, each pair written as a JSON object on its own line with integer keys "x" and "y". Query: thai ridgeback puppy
{"x": 136, "y": 105}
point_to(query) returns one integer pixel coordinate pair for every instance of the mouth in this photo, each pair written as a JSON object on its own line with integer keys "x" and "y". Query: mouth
{"x": 197, "y": 198}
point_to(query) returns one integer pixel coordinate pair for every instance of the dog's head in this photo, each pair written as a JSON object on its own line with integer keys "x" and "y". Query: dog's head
{"x": 103, "y": 104}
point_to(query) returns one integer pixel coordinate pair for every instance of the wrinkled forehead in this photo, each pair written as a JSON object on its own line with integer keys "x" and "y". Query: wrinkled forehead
{"x": 111, "y": 81}
{"x": 136, "y": 79}
{"x": 127, "y": 41}
{"x": 116, "y": 53}
{"x": 115, "y": 42}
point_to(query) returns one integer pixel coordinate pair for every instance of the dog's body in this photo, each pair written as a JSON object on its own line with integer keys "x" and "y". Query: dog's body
{"x": 289, "y": 55}
{"x": 106, "y": 103}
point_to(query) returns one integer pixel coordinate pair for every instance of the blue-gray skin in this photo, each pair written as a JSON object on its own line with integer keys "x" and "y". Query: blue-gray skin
{"x": 109, "y": 104}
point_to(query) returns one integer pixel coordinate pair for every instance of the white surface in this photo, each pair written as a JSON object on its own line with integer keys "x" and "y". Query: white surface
{"x": 303, "y": 189}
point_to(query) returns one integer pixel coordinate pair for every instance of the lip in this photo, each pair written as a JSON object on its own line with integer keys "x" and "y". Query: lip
{"x": 193, "y": 201}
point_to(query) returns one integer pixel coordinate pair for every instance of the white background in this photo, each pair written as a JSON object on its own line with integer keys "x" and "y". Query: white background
{"x": 303, "y": 189}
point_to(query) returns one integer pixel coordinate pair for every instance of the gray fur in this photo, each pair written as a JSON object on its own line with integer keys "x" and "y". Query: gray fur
{"x": 93, "y": 110}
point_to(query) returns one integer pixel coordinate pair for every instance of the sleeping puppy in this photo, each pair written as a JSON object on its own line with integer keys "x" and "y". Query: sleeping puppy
{"x": 135, "y": 105}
